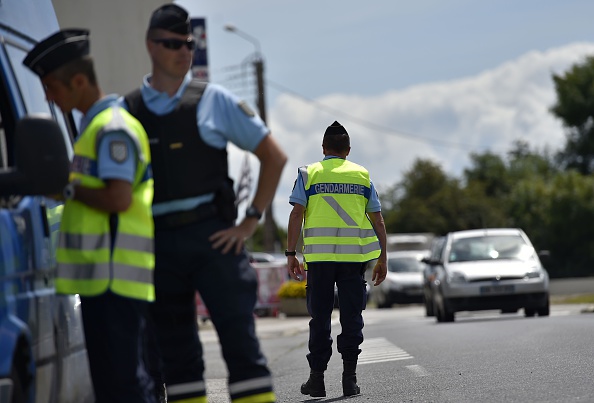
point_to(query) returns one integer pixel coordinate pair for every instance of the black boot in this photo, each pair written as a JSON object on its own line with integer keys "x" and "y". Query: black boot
{"x": 349, "y": 379}
{"x": 315, "y": 384}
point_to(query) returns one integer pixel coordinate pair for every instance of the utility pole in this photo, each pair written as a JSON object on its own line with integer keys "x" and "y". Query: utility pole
{"x": 269, "y": 228}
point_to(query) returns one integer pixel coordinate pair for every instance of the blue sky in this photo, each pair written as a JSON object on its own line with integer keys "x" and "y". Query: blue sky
{"x": 325, "y": 46}
{"x": 408, "y": 79}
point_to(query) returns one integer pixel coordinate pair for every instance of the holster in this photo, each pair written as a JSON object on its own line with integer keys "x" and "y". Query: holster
{"x": 225, "y": 201}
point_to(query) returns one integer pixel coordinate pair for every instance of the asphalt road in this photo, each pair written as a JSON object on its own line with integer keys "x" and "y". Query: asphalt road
{"x": 482, "y": 357}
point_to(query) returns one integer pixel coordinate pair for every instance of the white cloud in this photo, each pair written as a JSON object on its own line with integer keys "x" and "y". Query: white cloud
{"x": 484, "y": 112}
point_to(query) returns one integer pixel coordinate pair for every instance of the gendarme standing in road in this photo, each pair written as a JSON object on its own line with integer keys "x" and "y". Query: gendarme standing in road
{"x": 335, "y": 202}
{"x": 197, "y": 244}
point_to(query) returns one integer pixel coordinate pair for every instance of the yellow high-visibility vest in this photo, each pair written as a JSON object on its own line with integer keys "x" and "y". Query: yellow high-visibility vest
{"x": 336, "y": 227}
{"x": 87, "y": 263}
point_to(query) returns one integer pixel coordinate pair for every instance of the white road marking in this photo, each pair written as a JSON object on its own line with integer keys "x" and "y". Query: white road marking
{"x": 418, "y": 370}
{"x": 216, "y": 390}
{"x": 381, "y": 350}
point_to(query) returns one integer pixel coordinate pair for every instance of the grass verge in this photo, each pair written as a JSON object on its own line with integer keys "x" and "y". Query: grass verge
{"x": 573, "y": 299}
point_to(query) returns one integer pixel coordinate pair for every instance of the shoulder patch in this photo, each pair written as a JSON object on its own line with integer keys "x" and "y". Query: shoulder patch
{"x": 246, "y": 109}
{"x": 118, "y": 151}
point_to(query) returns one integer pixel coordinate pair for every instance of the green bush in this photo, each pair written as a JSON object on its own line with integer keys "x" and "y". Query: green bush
{"x": 292, "y": 289}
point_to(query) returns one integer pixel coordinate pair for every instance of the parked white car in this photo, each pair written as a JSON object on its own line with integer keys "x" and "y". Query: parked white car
{"x": 495, "y": 268}
{"x": 404, "y": 280}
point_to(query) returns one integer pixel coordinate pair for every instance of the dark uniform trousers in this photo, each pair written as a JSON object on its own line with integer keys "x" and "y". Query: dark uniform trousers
{"x": 185, "y": 263}
{"x": 352, "y": 297}
{"x": 113, "y": 334}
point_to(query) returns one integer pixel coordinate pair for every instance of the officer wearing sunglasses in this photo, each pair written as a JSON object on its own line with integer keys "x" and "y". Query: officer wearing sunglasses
{"x": 198, "y": 245}
{"x": 175, "y": 44}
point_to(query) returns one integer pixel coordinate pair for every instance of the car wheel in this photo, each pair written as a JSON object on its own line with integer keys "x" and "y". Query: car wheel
{"x": 442, "y": 313}
{"x": 429, "y": 307}
{"x": 384, "y": 302}
{"x": 529, "y": 312}
{"x": 448, "y": 315}
{"x": 544, "y": 310}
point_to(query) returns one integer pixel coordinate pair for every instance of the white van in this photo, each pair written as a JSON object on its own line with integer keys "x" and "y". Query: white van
{"x": 42, "y": 351}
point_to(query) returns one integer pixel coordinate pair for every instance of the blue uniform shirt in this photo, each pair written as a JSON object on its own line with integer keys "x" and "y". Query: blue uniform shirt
{"x": 298, "y": 195}
{"x": 108, "y": 166}
{"x": 222, "y": 118}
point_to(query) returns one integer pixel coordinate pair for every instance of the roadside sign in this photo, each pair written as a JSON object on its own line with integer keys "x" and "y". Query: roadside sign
{"x": 200, "y": 60}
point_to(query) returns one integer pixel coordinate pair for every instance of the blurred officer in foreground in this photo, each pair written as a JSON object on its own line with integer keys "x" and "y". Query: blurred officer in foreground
{"x": 197, "y": 244}
{"x": 340, "y": 211}
{"x": 105, "y": 252}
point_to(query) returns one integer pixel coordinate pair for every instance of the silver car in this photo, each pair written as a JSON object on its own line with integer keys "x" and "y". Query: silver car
{"x": 404, "y": 280}
{"x": 484, "y": 269}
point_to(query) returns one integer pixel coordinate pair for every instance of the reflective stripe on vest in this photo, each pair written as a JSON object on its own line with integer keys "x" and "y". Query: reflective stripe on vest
{"x": 98, "y": 241}
{"x": 340, "y": 249}
{"x": 336, "y": 227}
{"x": 89, "y": 261}
{"x": 339, "y": 232}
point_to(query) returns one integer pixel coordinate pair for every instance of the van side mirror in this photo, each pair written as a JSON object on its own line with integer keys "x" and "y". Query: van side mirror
{"x": 41, "y": 159}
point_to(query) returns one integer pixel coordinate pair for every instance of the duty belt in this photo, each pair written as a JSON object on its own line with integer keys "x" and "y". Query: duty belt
{"x": 181, "y": 218}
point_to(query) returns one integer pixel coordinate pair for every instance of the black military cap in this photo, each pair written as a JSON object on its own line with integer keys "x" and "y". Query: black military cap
{"x": 57, "y": 50}
{"x": 335, "y": 129}
{"x": 171, "y": 17}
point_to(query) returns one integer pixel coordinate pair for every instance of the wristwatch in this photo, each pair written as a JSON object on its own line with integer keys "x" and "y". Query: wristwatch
{"x": 252, "y": 211}
{"x": 68, "y": 191}
{"x": 290, "y": 253}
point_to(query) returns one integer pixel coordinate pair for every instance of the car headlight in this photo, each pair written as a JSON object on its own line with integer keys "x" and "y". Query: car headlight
{"x": 456, "y": 277}
{"x": 533, "y": 274}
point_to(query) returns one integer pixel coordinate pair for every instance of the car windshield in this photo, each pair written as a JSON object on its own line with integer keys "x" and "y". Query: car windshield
{"x": 404, "y": 265}
{"x": 490, "y": 247}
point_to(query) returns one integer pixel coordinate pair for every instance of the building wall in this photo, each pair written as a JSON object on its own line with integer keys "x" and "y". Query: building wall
{"x": 117, "y": 30}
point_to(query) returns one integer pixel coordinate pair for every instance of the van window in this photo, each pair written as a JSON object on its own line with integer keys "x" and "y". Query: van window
{"x": 30, "y": 86}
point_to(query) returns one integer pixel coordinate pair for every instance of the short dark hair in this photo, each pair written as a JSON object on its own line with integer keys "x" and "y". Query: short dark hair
{"x": 84, "y": 66}
{"x": 338, "y": 142}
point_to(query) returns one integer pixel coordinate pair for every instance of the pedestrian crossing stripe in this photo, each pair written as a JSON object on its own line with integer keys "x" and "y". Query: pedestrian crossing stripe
{"x": 379, "y": 349}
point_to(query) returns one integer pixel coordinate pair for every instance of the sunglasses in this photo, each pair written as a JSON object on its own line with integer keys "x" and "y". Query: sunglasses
{"x": 175, "y": 44}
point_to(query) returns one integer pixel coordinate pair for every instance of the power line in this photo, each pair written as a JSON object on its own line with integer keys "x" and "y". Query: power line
{"x": 246, "y": 84}
{"x": 366, "y": 123}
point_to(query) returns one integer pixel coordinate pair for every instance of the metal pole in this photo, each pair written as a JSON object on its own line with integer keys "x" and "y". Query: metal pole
{"x": 269, "y": 230}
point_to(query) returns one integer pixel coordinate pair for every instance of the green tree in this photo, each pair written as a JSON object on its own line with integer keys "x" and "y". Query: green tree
{"x": 490, "y": 171}
{"x": 575, "y": 107}
{"x": 404, "y": 205}
{"x": 524, "y": 163}
{"x": 427, "y": 200}
{"x": 571, "y": 233}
